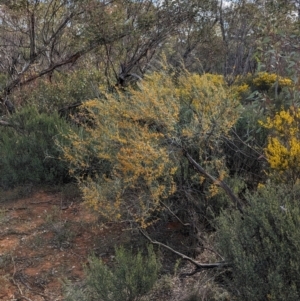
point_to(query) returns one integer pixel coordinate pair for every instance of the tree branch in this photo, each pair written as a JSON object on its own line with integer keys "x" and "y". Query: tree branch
{"x": 69, "y": 60}
{"x": 199, "y": 266}
{"x": 68, "y": 107}
{"x": 217, "y": 182}
{"x": 5, "y": 123}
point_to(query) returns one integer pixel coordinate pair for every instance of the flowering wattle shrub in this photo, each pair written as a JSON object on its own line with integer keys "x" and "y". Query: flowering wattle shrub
{"x": 127, "y": 156}
{"x": 283, "y": 148}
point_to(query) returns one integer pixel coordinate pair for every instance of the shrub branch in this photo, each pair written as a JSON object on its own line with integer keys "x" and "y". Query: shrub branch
{"x": 217, "y": 182}
{"x": 199, "y": 266}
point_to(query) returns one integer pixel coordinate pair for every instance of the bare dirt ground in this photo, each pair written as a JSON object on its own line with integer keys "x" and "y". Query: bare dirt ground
{"x": 46, "y": 237}
{"x": 47, "y": 234}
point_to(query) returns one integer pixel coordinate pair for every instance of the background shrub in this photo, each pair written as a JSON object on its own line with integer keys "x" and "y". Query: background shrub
{"x": 244, "y": 147}
{"x": 65, "y": 88}
{"x": 263, "y": 245}
{"x": 28, "y": 153}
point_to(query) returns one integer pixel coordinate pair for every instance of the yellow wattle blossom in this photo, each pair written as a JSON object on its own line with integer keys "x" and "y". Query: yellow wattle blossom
{"x": 265, "y": 80}
{"x": 243, "y": 88}
{"x": 283, "y": 148}
{"x": 260, "y": 186}
{"x": 262, "y": 81}
{"x": 213, "y": 190}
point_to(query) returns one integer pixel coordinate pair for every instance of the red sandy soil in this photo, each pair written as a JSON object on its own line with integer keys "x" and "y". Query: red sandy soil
{"x": 45, "y": 238}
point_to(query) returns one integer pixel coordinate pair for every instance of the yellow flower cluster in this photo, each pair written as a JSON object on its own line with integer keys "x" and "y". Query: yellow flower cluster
{"x": 280, "y": 121}
{"x": 240, "y": 90}
{"x": 213, "y": 190}
{"x": 215, "y": 79}
{"x": 283, "y": 148}
{"x": 285, "y": 82}
{"x": 265, "y": 80}
{"x": 243, "y": 88}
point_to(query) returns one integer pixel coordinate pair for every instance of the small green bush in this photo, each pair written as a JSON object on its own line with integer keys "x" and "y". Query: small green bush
{"x": 28, "y": 153}
{"x": 244, "y": 145}
{"x": 64, "y": 89}
{"x": 131, "y": 277}
{"x": 263, "y": 245}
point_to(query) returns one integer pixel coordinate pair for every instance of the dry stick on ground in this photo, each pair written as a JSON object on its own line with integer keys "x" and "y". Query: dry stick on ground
{"x": 15, "y": 208}
{"x": 16, "y": 284}
{"x": 199, "y": 266}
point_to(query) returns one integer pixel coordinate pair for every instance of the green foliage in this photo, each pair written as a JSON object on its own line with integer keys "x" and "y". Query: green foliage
{"x": 208, "y": 291}
{"x": 64, "y": 88}
{"x": 263, "y": 245}
{"x": 131, "y": 277}
{"x": 244, "y": 146}
{"x": 28, "y": 153}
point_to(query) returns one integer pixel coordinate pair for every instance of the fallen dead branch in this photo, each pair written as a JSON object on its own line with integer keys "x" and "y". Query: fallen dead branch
{"x": 199, "y": 266}
{"x": 16, "y": 283}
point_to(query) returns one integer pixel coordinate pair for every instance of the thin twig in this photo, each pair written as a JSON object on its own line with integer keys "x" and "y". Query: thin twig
{"x": 18, "y": 286}
{"x": 13, "y": 276}
{"x": 16, "y": 283}
{"x": 180, "y": 221}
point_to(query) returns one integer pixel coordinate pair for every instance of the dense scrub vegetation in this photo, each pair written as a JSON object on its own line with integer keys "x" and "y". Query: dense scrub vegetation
{"x": 263, "y": 245}
{"x": 185, "y": 110}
